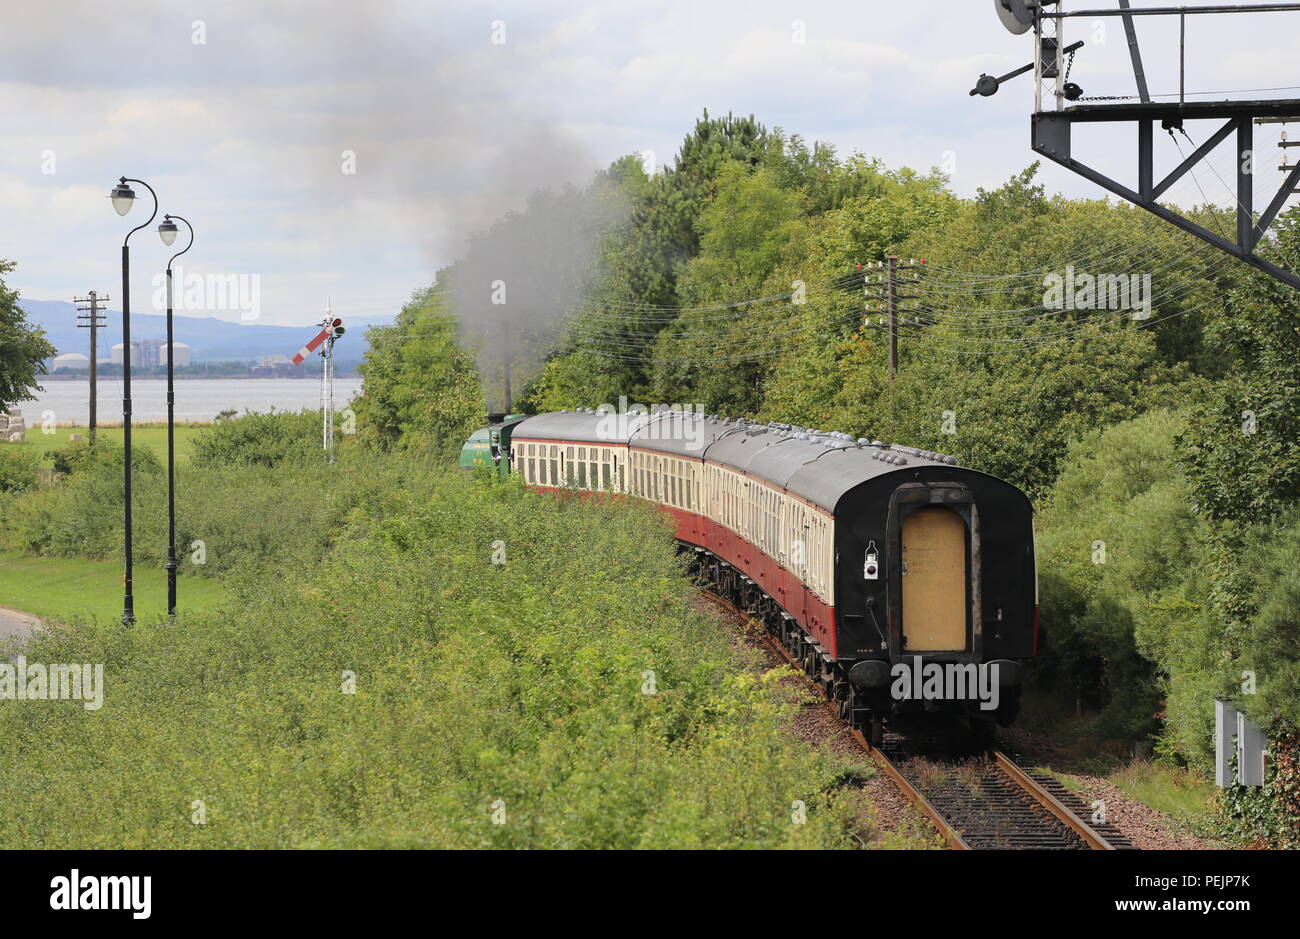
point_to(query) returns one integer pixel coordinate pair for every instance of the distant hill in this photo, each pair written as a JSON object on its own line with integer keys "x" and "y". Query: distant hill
{"x": 209, "y": 339}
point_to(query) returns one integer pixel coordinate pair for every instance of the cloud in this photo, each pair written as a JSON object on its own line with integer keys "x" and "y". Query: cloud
{"x": 245, "y": 133}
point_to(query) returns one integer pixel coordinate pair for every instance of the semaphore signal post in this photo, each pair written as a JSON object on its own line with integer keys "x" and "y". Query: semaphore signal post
{"x": 331, "y": 329}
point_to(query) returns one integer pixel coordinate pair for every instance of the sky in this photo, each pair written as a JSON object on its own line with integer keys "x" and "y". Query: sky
{"x": 345, "y": 150}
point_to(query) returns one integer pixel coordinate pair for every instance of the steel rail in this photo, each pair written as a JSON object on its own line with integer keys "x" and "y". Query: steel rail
{"x": 1054, "y": 805}
{"x": 950, "y": 834}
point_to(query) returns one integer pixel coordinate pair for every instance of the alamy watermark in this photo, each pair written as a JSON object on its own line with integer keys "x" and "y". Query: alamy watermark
{"x": 210, "y": 293}
{"x": 683, "y": 422}
{"x": 24, "y": 681}
{"x": 79, "y": 891}
{"x": 1073, "y": 290}
{"x": 946, "y": 681}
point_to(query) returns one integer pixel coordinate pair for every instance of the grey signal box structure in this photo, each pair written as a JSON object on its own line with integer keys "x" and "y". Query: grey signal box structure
{"x": 1054, "y": 124}
{"x": 1231, "y": 727}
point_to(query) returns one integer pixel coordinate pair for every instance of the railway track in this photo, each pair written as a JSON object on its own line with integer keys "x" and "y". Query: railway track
{"x": 981, "y": 802}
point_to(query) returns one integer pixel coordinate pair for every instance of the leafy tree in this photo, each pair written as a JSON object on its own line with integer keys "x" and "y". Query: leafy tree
{"x": 421, "y": 390}
{"x": 749, "y": 227}
{"x": 23, "y": 349}
{"x": 1243, "y": 443}
{"x": 1121, "y": 555}
{"x": 1270, "y": 643}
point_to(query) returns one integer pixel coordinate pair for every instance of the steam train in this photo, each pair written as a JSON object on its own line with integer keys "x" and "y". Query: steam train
{"x": 904, "y": 584}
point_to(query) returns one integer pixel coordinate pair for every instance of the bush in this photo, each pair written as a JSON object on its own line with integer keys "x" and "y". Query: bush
{"x": 20, "y": 467}
{"x": 518, "y": 690}
{"x": 80, "y": 514}
{"x": 260, "y": 440}
{"x": 1119, "y": 546}
{"x": 79, "y": 456}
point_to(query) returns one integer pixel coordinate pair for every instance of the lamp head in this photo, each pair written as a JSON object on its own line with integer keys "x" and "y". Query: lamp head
{"x": 123, "y": 197}
{"x": 167, "y": 230}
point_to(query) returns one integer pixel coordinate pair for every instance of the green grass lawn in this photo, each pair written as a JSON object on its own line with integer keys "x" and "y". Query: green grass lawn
{"x": 153, "y": 436}
{"x": 63, "y": 587}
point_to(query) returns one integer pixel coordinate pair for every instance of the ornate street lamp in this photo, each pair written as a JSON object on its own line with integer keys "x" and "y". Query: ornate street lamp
{"x": 124, "y": 197}
{"x": 167, "y": 232}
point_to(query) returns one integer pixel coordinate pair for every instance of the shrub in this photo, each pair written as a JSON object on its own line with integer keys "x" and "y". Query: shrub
{"x": 1119, "y": 545}
{"x": 80, "y": 514}
{"x": 515, "y": 690}
{"x": 260, "y": 439}
{"x": 20, "y": 467}
{"x": 79, "y": 456}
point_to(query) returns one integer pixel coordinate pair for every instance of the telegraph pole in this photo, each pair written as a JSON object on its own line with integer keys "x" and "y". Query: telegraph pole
{"x": 888, "y": 295}
{"x": 893, "y": 316}
{"x": 91, "y": 320}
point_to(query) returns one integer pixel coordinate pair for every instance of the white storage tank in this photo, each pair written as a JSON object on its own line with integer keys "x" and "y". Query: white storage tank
{"x": 182, "y": 354}
{"x": 70, "y": 360}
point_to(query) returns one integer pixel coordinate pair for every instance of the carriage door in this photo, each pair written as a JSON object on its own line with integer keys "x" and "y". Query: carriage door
{"x": 934, "y": 577}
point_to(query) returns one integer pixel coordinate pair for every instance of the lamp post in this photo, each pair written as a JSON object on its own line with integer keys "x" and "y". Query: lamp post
{"x": 167, "y": 232}
{"x": 123, "y": 197}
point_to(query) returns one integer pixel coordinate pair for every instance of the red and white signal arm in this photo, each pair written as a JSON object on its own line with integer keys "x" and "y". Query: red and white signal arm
{"x": 311, "y": 346}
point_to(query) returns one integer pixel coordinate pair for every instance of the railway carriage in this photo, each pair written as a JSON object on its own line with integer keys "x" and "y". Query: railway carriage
{"x": 865, "y": 559}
